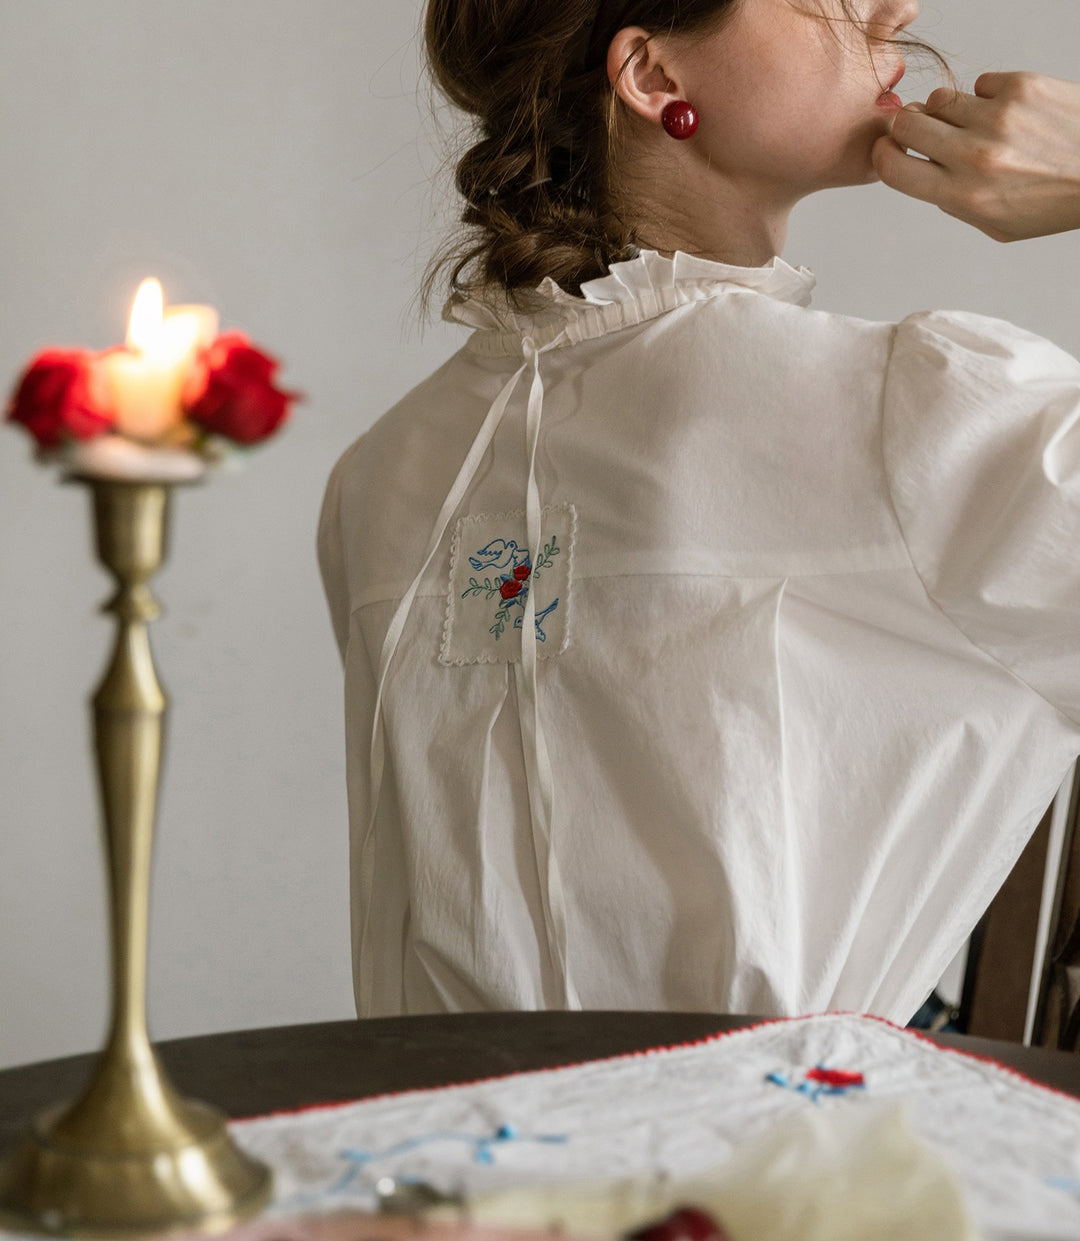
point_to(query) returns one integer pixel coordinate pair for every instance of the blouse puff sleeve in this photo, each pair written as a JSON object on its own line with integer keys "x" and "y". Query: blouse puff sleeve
{"x": 981, "y": 433}
{"x": 330, "y": 545}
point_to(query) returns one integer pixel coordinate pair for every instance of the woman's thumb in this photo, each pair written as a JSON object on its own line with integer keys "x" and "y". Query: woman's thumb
{"x": 908, "y": 107}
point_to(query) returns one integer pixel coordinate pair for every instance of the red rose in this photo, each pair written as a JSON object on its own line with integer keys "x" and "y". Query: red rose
{"x": 522, "y": 571}
{"x": 683, "y": 1224}
{"x": 231, "y": 390}
{"x": 509, "y": 589}
{"x": 60, "y": 395}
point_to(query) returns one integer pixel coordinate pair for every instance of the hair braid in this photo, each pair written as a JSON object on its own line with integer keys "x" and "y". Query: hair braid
{"x": 530, "y": 182}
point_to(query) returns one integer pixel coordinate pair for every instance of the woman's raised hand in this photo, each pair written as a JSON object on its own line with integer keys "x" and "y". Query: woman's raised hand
{"x": 1005, "y": 159}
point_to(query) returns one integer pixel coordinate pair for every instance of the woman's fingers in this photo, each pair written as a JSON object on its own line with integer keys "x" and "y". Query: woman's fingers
{"x": 929, "y": 128}
{"x": 910, "y": 107}
{"x": 926, "y": 132}
{"x": 1005, "y": 159}
{"x": 917, "y": 178}
{"x": 955, "y": 106}
{"x": 990, "y": 85}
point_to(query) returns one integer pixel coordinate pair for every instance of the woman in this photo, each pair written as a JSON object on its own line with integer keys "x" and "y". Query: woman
{"x": 704, "y": 651}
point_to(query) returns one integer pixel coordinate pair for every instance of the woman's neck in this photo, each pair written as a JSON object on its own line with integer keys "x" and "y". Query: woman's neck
{"x": 701, "y": 214}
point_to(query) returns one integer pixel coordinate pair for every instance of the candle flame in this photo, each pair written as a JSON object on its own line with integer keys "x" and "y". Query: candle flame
{"x": 147, "y": 315}
{"x": 168, "y": 339}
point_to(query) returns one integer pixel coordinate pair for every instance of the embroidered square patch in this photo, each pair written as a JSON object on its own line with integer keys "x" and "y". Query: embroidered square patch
{"x": 492, "y": 575}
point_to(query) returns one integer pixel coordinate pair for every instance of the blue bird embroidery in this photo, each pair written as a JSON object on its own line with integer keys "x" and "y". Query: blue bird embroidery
{"x": 500, "y": 554}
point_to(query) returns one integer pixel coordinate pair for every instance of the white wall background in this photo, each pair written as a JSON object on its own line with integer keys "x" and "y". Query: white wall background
{"x": 276, "y": 160}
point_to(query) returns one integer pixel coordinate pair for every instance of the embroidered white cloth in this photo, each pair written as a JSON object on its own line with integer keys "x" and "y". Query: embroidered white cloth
{"x": 656, "y": 1126}
{"x": 726, "y": 652}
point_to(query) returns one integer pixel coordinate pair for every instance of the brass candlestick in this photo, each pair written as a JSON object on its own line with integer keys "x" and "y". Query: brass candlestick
{"x": 130, "y": 1156}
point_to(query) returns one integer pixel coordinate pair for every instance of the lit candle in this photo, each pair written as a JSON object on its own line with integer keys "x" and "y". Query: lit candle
{"x": 144, "y": 380}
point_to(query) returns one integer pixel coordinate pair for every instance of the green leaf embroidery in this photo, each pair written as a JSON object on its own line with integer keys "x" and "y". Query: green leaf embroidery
{"x": 501, "y": 617}
{"x": 488, "y": 588}
{"x": 546, "y": 557}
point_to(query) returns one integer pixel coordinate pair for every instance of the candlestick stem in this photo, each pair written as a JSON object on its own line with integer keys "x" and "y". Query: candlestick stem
{"x": 129, "y": 1156}
{"x": 129, "y": 720}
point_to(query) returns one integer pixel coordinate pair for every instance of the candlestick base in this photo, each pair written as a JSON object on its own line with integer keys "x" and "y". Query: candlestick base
{"x": 129, "y": 1158}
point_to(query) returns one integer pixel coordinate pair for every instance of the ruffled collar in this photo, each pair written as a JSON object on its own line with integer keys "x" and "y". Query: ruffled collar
{"x": 635, "y": 290}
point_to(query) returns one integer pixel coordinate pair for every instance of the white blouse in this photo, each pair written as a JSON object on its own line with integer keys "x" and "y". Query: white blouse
{"x": 702, "y": 651}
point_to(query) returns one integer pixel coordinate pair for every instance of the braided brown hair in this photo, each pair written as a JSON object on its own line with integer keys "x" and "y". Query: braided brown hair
{"x": 536, "y": 184}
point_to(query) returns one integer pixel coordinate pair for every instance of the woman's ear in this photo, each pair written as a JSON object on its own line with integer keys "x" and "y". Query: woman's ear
{"x": 643, "y": 85}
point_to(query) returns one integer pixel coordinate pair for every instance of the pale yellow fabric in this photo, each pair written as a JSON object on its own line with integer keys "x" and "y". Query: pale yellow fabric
{"x": 830, "y": 1175}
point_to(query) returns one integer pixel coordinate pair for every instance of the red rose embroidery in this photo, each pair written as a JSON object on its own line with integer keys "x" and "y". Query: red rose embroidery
{"x": 522, "y": 571}
{"x": 509, "y": 589}
{"x": 60, "y": 395}
{"x": 836, "y": 1077}
{"x": 231, "y": 390}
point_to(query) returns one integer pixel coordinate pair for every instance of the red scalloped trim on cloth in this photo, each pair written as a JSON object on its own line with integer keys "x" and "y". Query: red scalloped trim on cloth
{"x": 974, "y": 1055}
{"x": 664, "y": 1047}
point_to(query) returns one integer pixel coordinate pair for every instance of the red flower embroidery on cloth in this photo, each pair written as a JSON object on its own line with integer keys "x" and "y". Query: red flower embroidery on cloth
{"x": 522, "y": 572}
{"x": 820, "y": 1081}
{"x": 509, "y": 589}
{"x": 836, "y": 1077}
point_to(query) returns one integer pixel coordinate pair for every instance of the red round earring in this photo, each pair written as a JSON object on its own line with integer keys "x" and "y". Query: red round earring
{"x": 680, "y": 119}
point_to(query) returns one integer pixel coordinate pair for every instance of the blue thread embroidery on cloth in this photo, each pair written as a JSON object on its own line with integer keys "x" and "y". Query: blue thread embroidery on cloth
{"x": 358, "y": 1160}
{"x": 820, "y": 1081}
{"x": 516, "y": 575}
{"x": 500, "y": 554}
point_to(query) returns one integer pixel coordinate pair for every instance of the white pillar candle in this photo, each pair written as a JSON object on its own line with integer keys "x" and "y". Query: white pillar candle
{"x": 144, "y": 379}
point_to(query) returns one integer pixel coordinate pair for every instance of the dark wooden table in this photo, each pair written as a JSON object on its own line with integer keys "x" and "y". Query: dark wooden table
{"x": 255, "y": 1071}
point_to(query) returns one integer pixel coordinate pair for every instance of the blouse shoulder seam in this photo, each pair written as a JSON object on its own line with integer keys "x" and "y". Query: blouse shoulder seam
{"x": 918, "y": 573}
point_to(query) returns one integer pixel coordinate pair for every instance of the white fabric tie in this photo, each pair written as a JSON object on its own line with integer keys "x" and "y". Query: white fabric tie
{"x": 534, "y": 744}
{"x": 537, "y": 763}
